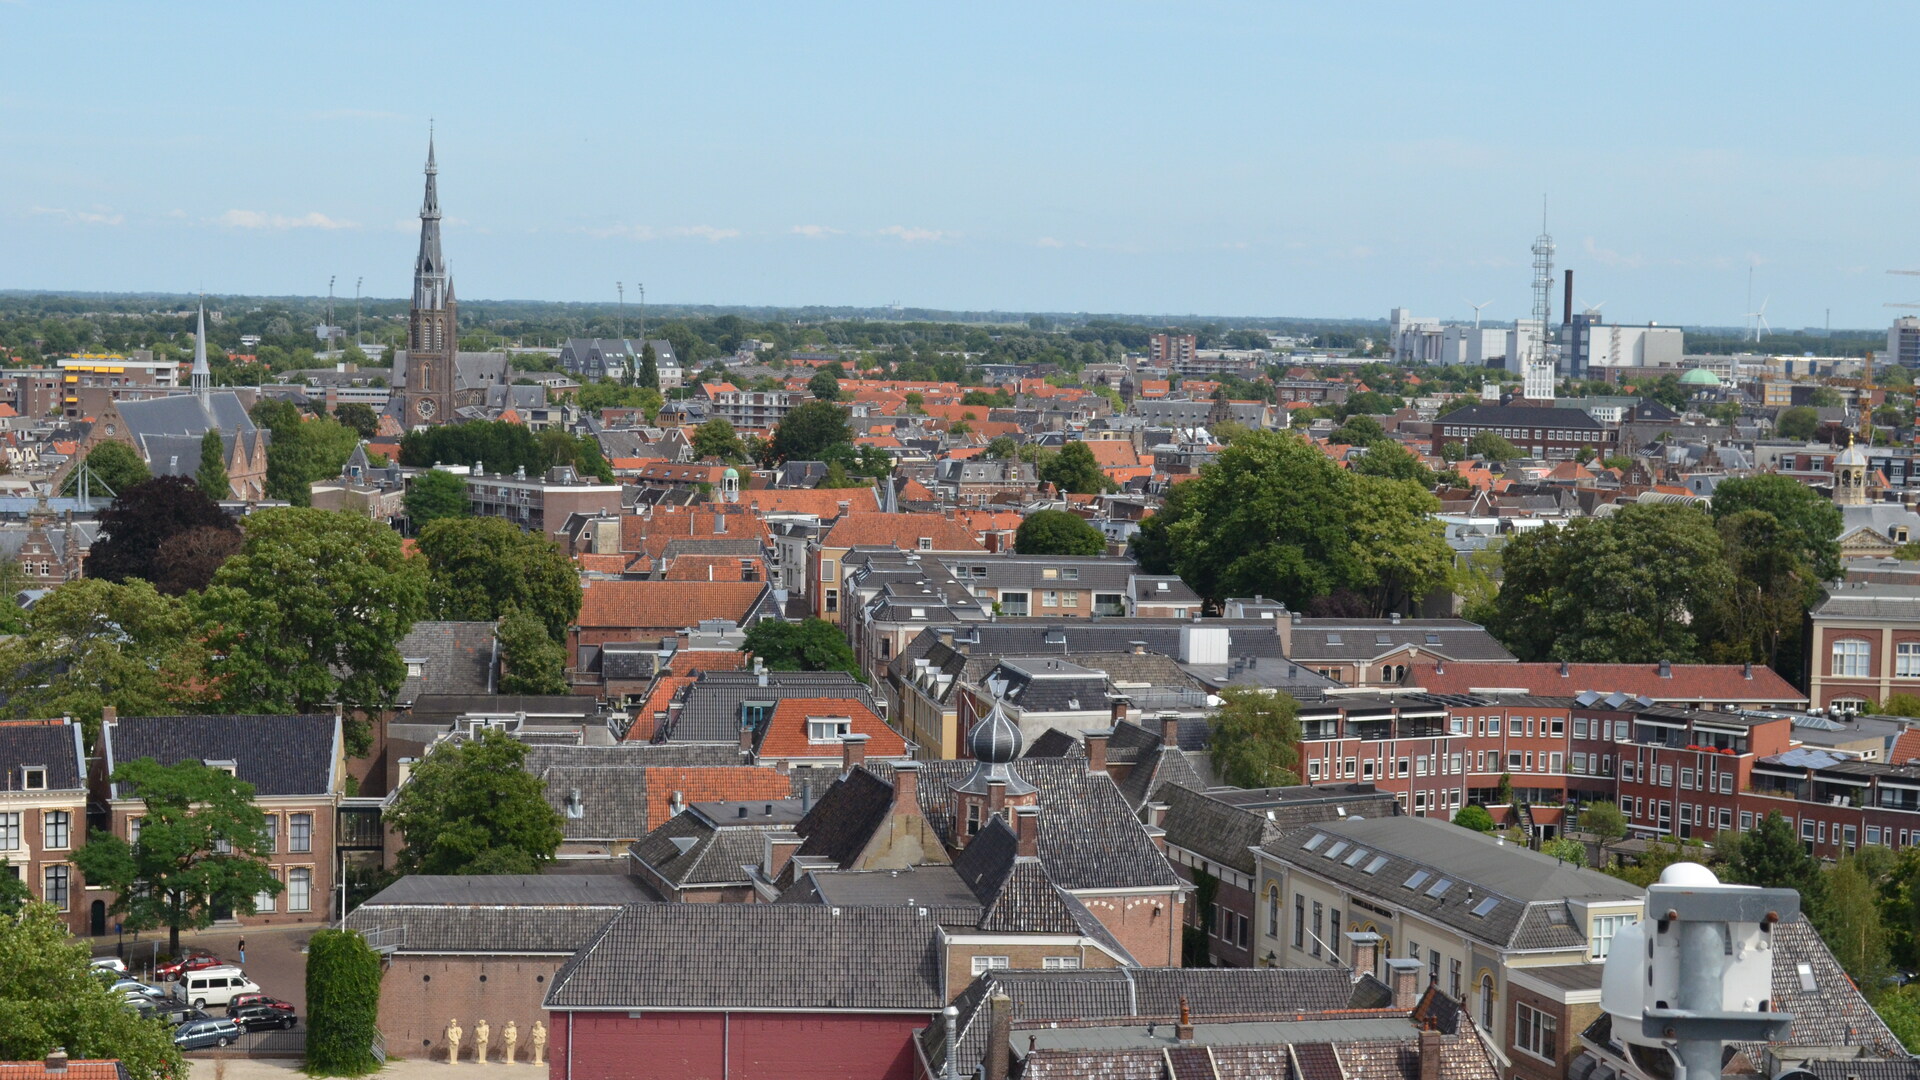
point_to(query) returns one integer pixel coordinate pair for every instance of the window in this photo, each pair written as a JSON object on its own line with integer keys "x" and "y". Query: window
{"x": 55, "y": 892}
{"x": 1273, "y": 911}
{"x": 263, "y": 901}
{"x": 1299, "y": 921}
{"x": 1493, "y": 725}
{"x": 1850, "y": 658}
{"x": 1686, "y": 779}
{"x": 1666, "y": 776}
{"x": 833, "y": 601}
{"x": 827, "y": 569}
{"x": 1058, "y": 963}
{"x": 10, "y": 832}
{"x": 984, "y": 964}
{"x": 300, "y": 834}
{"x": 1579, "y": 727}
{"x": 828, "y": 729}
{"x": 1535, "y": 1032}
{"x": 1319, "y": 929}
{"x": 1906, "y": 660}
{"x": 926, "y": 543}
{"x": 973, "y": 818}
{"x": 57, "y": 825}
{"x": 1433, "y": 966}
{"x": 1453, "y": 977}
{"x": 34, "y": 777}
{"x": 1050, "y": 598}
{"x": 1486, "y": 1003}
{"x": 1604, "y": 926}
{"x": 299, "y": 889}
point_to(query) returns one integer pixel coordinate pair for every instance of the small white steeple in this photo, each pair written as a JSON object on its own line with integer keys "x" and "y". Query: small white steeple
{"x": 202, "y": 374}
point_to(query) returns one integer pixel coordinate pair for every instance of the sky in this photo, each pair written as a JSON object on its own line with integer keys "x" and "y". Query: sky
{"x": 1261, "y": 159}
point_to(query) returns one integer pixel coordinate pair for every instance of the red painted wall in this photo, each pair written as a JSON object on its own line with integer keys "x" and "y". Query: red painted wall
{"x": 752, "y": 1046}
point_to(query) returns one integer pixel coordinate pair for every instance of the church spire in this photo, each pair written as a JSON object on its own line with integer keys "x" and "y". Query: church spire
{"x": 431, "y": 285}
{"x": 202, "y": 374}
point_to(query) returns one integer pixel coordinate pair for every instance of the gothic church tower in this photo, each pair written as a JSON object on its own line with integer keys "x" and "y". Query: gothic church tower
{"x": 433, "y": 338}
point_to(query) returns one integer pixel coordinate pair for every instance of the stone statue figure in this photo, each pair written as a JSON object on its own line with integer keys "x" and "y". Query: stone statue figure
{"x": 539, "y": 1037}
{"x": 480, "y": 1032}
{"x": 507, "y": 1040}
{"x": 453, "y": 1041}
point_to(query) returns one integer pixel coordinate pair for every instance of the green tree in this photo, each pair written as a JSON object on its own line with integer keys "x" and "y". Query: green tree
{"x": 1399, "y": 550}
{"x": 473, "y": 808}
{"x": 13, "y": 889}
{"x": 1003, "y": 448}
{"x": 114, "y": 465}
{"x": 1571, "y": 852}
{"x": 535, "y": 662}
{"x": 92, "y": 643}
{"x": 716, "y": 439}
{"x": 343, "y": 1004}
{"x": 1604, "y": 820}
{"x": 1901, "y": 1010}
{"x": 309, "y": 612}
{"x": 1075, "y": 470}
{"x": 212, "y": 475}
{"x": 1824, "y": 397}
{"x": 1256, "y": 738}
{"x": 1485, "y": 444}
{"x": 1897, "y": 704}
{"x": 1812, "y": 521}
{"x": 201, "y": 845}
{"x": 1358, "y": 430}
{"x": 1773, "y": 586}
{"x": 49, "y": 999}
{"x": 1058, "y": 532}
{"x": 1798, "y": 422}
{"x": 1622, "y": 589}
{"x": 807, "y": 432}
{"x": 433, "y": 495}
{"x": 1474, "y": 816}
{"x": 648, "y": 376}
{"x": 1772, "y": 857}
{"x": 479, "y": 569}
{"x": 301, "y": 450}
{"x": 1848, "y": 918}
{"x": 808, "y": 645}
{"x": 358, "y": 417}
{"x": 1647, "y": 866}
{"x": 823, "y": 386}
{"x": 1391, "y": 461}
{"x": 136, "y": 528}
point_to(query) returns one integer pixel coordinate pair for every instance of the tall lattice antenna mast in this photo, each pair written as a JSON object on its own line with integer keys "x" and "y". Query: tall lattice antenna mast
{"x": 1543, "y": 275}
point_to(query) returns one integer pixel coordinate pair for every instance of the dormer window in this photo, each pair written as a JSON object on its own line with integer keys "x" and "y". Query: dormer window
{"x": 576, "y": 807}
{"x": 828, "y": 729}
{"x": 227, "y": 767}
{"x": 926, "y": 543}
{"x": 33, "y": 778}
{"x": 416, "y": 669}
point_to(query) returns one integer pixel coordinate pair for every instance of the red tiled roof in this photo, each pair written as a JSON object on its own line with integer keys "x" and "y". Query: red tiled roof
{"x": 1109, "y": 453}
{"x": 903, "y": 531}
{"x": 786, "y": 734}
{"x": 1906, "y": 748}
{"x": 602, "y": 564}
{"x": 820, "y": 502}
{"x": 654, "y": 711}
{"x": 108, "y": 1069}
{"x": 640, "y": 605}
{"x": 710, "y": 783}
{"x": 1688, "y": 682}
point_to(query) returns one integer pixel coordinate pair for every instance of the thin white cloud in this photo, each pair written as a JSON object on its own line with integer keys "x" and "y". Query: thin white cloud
{"x": 99, "y": 215}
{"x": 710, "y": 233}
{"x": 815, "y": 232}
{"x": 1048, "y": 242}
{"x": 915, "y": 235}
{"x": 258, "y": 219}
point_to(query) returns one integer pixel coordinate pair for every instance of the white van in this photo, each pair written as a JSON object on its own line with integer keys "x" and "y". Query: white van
{"x": 213, "y": 986}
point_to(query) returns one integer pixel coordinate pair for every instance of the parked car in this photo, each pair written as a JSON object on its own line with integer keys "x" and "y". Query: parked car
{"x": 135, "y": 986}
{"x": 263, "y": 1014}
{"x": 201, "y": 1034}
{"x": 109, "y": 963}
{"x": 173, "y": 1012}
{"x": 213, "y": 986}
{"x": 192, "y": 960}
{"x": 241, "y": 1000}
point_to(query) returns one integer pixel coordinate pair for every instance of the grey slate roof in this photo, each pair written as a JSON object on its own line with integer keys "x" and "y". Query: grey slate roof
{"x": 495, "y": 913}
{"x": 278, "y": 755}
{"x": 1528, "y": 416}
{"x": 1214, "y": 830}
{"x": 42, "y": 743}
{"x": 457, "y": 658}
{"x": 612, "y": 782}
{"x": 1041, "y": 637}
{"x": 935, "y": 887}
{"x": 1048, "y": 684}
{"x": 1364, "y": 639}
{"x": 690, "y": 851}
{"x": 711, "y": 712}
{"x": 757, "y": 956}
{"x": 1531, "y": 890}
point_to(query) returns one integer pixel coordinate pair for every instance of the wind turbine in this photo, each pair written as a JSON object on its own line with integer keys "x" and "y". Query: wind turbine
{"x": 1759, "y": 317}
{"x": 1594, "y": 309}
{"x": 1476, "y": 311}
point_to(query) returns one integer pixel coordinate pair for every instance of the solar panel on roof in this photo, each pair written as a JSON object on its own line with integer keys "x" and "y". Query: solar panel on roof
{"x": 1418, "y": 879}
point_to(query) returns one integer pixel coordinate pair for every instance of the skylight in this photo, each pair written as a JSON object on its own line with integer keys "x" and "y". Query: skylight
{"x": 1334, "y": 851}
{"x": 1418, "y": 879}
{"x": 1374, "y": 866}
{"x": 1483, "y": 907}
{"x": 1440, "y": 888}
{"x": 1805, "y": 972}
{"x": 1318, "y": 839}
{"x": 1354, "y": 859}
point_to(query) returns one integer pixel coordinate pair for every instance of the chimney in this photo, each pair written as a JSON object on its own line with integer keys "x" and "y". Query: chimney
{"x": 1565, "y": 670}
{"x": 1027, "y": 827}
{"x": 1746, "y": 672}
{"x": 853, "y": 751}
{"x": 57, "y": 1060}
{"x": 746, "y": 738}
{"x": 1363, "y": 949}
{"x": 1666, "y": 669}
{"x": 780, "y": 849}
{"x": 677, "y": 802}
{"x": 1395, "y": 618}
{"x": 1404, "y": 976}
{"x": 1170, "y": 729}
{"x": 108, "y": 715}
{"x": 996, "y": 797}
{"x": 906, "y": 787}
{"x": 1184, "y": 1032}
{"x": 1566, "y": 314}
{"x": 1431, "y": 1042}
{"x": 999, "y": 1036}
{"x": 1119, "y": 710}
{"x": 1157, "y": 814}
{"x": 1097, "y": 750}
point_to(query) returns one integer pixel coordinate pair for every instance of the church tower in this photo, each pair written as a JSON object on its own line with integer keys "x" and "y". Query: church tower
{"x": 433, "y": 337}
{"x": 1850, "y": 476}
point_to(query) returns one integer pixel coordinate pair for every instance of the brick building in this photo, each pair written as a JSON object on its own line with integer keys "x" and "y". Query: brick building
{"x": 1535, "y": 430}
{"x": 1864, "y": 644}
{"x": 543, "y": 503}
{"x": 43, "y": 817}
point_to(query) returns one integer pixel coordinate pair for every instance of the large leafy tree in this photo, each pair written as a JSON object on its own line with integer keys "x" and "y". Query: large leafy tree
{"x": 433, "y": 495}
{"x": 309, "y": 612}
{"x": 1799, "y": 422}
{"x": 1773, "y": 585}
{"x": 1772, "y": 857}
{"x": 808, "y": 645}
{"x": 49, "y": 998}
{"x": 302, "y": 450}
{"x": 113, "y": 464}
{"x": 647, "y": 375}
{"x": 1057, "y": 532}
{"x": 824, "y": 386}
{"x": 343, "y": 1004}
{"x": 92, "y": 643}
{"x": 535, "y": 662}
{"x": 1849, "y": 920}
{"x": 212, "y": 474}
{"x": 1623, "y": 589}
{"x": 141, "y": 521}
{"x": 1811, "y": 521}
{"x": 358, "y": 416}
{"x": 1074, "y": 469}
{"x": 1399, "y": 550}
{"x": 807, "y": 431}
{"x": 479, "y": 569}
{"x": 1487, "y": 445}
{"x": 716, "y": 439}
{"x": 1604, "y": 820}
{"x": 1256, "y": 738}
{"x": 1392, "y": 461}
{"x": 201, "y": 845}
{"x": 472, "y": 808}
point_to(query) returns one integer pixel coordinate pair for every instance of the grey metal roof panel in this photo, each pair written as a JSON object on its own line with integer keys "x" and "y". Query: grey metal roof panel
{"x": 757, "y": 956}
{"x": 509, "y": 890}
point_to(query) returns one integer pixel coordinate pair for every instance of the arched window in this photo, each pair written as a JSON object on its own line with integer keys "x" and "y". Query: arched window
{"x": 1850, "y": 657}
{"x": 1273, "y": 911}
{"x": 1486, "y": 1002}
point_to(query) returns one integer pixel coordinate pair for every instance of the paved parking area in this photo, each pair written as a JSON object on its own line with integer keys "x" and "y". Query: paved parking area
{"x": 274, "y": 960}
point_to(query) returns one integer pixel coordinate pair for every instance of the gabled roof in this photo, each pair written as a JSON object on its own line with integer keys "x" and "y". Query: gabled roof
{"x": 637, "y": 605}
{"x": 542, "y": 914}
{"x": 52, "y": 744}
{"x": 904, "y": 531}
{"x": 711, "y": 706}
{"x": 787, "y": 736}
{"x": 278, "y": 755}
{"x": 456, "y": 658}
{"x": 689, "y": 851}
{"x": 747, "y": 957}
{"x": 1684, "y": 682}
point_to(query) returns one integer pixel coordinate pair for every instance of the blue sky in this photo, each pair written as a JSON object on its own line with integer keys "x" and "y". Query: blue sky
{"x": 1262, "y": 159}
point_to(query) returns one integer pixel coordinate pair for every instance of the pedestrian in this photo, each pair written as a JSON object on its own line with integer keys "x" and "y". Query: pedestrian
{"x": 243, "y": 950}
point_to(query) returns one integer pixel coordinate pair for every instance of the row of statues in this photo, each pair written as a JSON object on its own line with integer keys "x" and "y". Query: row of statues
{"x": 509, "y": 1040}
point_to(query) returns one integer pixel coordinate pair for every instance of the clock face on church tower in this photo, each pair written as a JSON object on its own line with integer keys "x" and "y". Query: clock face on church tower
{"x": 424, "y": 407}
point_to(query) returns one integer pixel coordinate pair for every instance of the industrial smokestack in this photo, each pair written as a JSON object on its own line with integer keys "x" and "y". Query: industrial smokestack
{"x": 1566, "y": 309}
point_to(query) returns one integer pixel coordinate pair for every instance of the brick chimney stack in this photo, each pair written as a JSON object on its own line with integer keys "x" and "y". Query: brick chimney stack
{"x": 746, "y": 739}
{"x": 1170, "y": 730}
{"x": 999, "y": 1036}
{"x": 1403, "y": 975}
{"x": 906, "y": 787}
{"x": 1364, "y": 950}
{"x": 853, "y": 751}
{"x": 996, "y": 797}
{"x": 1097, "y": 750}
{"x": 1027, "y": 827}
{"x": 57, "y": 1060}
{"x": 1430, "y": 1046}
{"x": 1184, "y": 1032}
